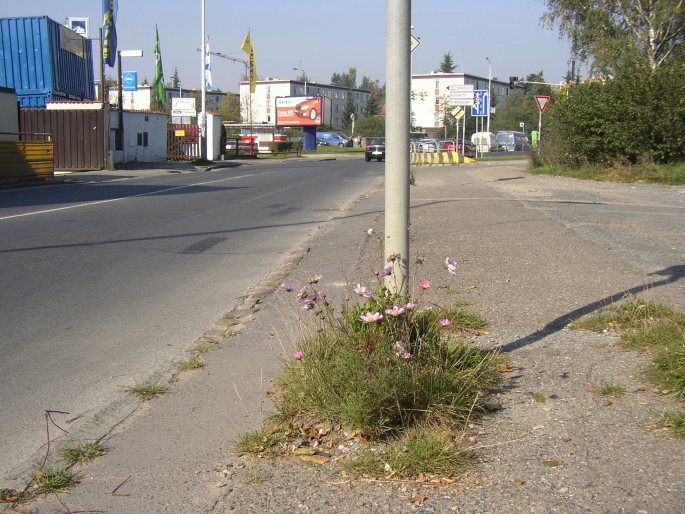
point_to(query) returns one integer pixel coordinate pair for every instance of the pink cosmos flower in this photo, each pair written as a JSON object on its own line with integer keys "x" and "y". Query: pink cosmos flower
{"x": 371, "y": 317}
{"x": 287, "y": 287}
{"x": 451, "y": 266}
{"x": 402, "y": 352}
{"x": 395, "y": 311}
{"x": 410, "y": 306}
{"x": 362, "y": 291}
{"x": 315, "y": 279}
{"x": 386, "y": 271}
{"x": 424, "y": 283}
{"x": 444, "y": 323}
{"x": 307, "y": 304}
{"x": 298, "y": 356}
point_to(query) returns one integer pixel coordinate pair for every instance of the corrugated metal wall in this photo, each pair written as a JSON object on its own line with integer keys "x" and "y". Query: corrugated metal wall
{"x": 79, "y": 135}
{"x": 22, "y": 160}
{"x": 43, "y": 60}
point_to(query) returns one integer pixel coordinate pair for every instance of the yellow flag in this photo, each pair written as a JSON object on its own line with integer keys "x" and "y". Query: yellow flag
{"x": 247, "y": 48}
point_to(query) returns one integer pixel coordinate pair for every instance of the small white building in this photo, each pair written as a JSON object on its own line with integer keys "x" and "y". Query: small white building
{"x": 430, "y": 91}
{"x": 260, "y": 106}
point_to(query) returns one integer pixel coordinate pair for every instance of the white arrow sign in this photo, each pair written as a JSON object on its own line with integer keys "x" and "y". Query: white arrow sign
{"x": 414, "y": 43}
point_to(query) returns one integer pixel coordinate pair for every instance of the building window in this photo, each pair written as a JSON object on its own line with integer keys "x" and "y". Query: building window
{"x": 142, "y": 139}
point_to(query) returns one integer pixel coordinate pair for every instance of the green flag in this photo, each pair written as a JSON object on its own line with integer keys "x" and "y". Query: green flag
{"x": 158, "y": 83}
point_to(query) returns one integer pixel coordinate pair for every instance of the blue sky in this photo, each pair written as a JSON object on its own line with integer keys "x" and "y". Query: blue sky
{"x": 321, "y": 37}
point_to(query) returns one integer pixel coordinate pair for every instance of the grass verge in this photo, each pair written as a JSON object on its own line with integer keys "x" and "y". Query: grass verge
{"x": 647, "y": 327}
{"x": 672, "y": 174}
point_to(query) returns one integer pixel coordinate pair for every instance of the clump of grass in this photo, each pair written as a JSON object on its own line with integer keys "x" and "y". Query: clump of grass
{"x": 385, "y": 369}
{"x": 190, "y": 364}
{"x": 49, "y": 480}
{"x": 203, "y": 348}
{"x": 674, "y": 420}
{"x": 652, "y": 328}
{"x": 253, "y": 477}
{"x": 147, "y": 391}
{"x": 358, "y": 376}
{"x": 258, "y": 441}
{"x": 429, "y": 451}
{"x": 607, "y": 389}
{"x": 82, "y": 453}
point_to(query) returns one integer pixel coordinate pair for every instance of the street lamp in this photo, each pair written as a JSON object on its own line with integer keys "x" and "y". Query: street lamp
{"x": 120, "y": 54}
{"x": 489, "y": 97}
{"x": 304, "y": 76}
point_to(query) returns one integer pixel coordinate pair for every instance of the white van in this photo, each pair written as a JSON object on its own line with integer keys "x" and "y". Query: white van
{"x": 484, "y": 141}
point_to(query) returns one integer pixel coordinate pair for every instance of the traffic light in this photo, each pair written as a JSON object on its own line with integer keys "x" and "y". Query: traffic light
{"x": 512, "y": 80}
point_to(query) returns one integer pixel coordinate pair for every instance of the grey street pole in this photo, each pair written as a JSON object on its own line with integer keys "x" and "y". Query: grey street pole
{"x": 304, "y": 76}
{"x": 202, "y": 121}
{"x": 397, "y": 119}
{"x": 489, "y": 92}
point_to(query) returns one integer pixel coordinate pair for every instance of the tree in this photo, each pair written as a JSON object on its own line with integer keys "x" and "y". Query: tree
{"x": 370, "y": 126}
{"x": 175, "y": 81}
{"x": 229, "y": 108}
{"x": 348, "y": 79}
{"x": 347, "y": 112}
{"x": 518, "y": 108}
{"x": 536, "y": 89}
{"x": 616, "y": 34}
{"x": 447, "y": 65}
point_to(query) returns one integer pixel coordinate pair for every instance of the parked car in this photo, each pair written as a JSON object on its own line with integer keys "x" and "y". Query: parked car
{"x": 332, "y": 139}
{"x": 447, "y": 145}
{"x": 428, "y": 145}
{"x": 510, "y": 141}
{"x": 348, "y": 140}
{"x": 484, "y": 141}
{"x": 374, "y": 149}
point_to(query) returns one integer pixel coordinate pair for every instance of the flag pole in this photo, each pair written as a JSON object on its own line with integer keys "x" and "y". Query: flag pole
{"x": 203, "y": 114}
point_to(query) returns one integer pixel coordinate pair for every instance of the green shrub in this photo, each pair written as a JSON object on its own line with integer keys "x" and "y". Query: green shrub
{"x": 284, "y": 147}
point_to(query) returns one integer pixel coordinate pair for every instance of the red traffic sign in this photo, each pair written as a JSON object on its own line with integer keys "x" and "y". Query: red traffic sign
{"x": 542, "y": 102}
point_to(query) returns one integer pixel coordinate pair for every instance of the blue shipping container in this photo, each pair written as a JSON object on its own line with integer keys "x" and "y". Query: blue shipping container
{"x": 43, "y": 60}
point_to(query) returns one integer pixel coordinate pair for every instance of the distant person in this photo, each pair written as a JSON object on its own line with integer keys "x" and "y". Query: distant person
{"x": 359, "y": 139}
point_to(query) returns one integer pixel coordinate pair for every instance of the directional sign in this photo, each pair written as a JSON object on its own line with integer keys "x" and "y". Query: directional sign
{"x": 461, "y": 94}
{"x": 183, "y": 107}
{"x": 542, "y": 102}
{"x": 129, "y": 80}
{"x": 414, "y": 42}
{"x": 481, "y": 103}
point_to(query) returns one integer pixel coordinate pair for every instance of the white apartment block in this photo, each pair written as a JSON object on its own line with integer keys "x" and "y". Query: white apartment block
{"x": 140, "y": 99}
{"x": 260, "y": 106}
{"x": 430, "y": 91}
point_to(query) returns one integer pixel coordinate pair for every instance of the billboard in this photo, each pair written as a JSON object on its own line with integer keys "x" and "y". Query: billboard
{"x": 298, "y": 111}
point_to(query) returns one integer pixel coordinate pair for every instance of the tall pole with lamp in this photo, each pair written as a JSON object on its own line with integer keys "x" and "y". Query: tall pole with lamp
{"x": 304, "y": 77}
{"x": 489, "y": 90}
{"x": 202, "y": 120}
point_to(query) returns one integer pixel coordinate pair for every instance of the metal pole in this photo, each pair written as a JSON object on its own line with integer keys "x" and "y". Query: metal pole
{"x": 540, "y": 129}
{"x": 121, "y": 108}
{"x": 202, "y": 121}
{"x": 397, "y": 120}
{"x": 489, "y": 93}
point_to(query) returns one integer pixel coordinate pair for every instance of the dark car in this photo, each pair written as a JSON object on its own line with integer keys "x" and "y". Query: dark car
{"x": 375, "y": 149}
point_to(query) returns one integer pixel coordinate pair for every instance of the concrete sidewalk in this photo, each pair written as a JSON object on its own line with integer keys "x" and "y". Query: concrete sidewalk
{"x": 526, "y": 274}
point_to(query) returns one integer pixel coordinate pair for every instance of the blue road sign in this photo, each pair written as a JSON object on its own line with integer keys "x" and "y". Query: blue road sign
{"x": 481, "y": 103}
{"x": 129, "y": 80}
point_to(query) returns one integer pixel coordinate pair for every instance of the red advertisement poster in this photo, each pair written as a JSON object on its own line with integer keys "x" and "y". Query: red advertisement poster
{"x": 296, "y": 111}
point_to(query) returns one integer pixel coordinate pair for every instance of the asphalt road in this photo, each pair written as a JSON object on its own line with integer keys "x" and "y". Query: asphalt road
{"x": 107, "y": 282}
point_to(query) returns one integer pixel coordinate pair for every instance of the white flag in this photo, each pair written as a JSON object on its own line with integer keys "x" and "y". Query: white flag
{"x": 208, "y": 67}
